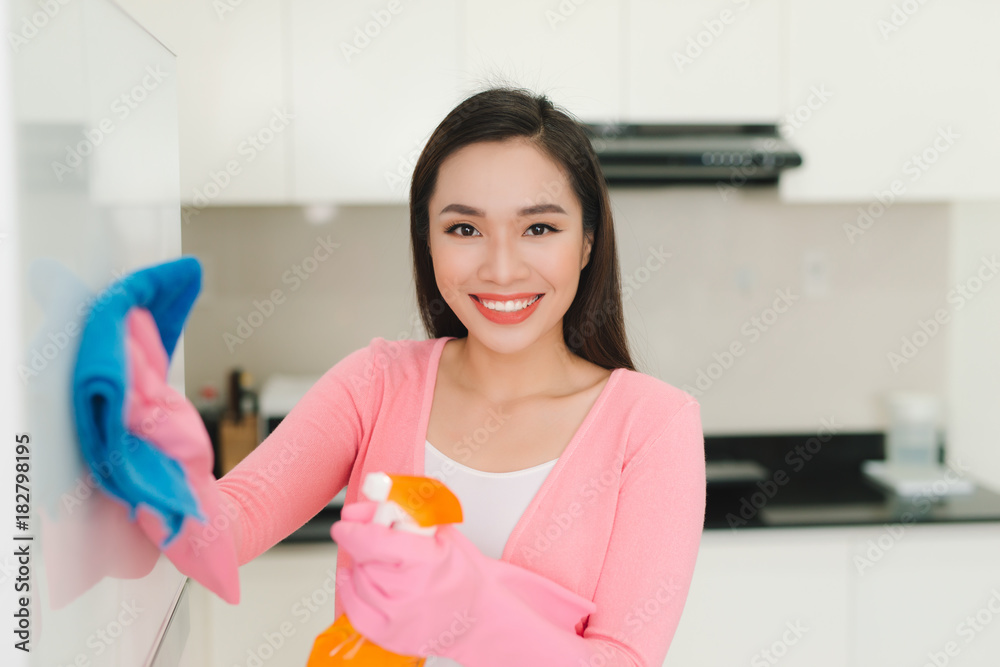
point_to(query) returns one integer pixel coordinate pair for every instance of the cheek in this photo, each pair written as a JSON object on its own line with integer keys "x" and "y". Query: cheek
{"x": 451, "y": 271}
{"x": 562, "y": 268}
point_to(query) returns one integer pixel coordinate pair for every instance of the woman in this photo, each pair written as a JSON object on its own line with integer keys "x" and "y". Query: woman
{"x": 570, "y": 465}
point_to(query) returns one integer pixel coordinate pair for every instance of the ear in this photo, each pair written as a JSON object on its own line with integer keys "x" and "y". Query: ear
{"x": 588, "y": 244}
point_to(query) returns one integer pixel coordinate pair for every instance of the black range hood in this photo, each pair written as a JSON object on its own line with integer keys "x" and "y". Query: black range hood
{"x": 657, "y": 154}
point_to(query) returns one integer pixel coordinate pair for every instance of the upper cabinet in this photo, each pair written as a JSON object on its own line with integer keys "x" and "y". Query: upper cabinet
{"x": 717, "y": 61}
{"x": 234, "y": 115}
{"x": 310, "y": 101}
{"x": 570, "y": 51}
{"x": 908, "y": 105}
{"x": 369, "y": 82}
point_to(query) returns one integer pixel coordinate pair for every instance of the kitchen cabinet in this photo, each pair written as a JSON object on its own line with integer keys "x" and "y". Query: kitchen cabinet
{"x": 306, "y": 101}
{"x": 235, "y": 129}
{"x": 909, "y": 112}
{"x": 570, "y": 51}
{"x": 369, "y": 82}
{"x": 286, "y": 600}
{"x": 926, "y": 593}
{"x": 858, "y": 596}
{"x": 62, "y": 100}
{"x": 759, "y": 596}
{"x": 717, "y": 61}
{"x": 233, "y": 112}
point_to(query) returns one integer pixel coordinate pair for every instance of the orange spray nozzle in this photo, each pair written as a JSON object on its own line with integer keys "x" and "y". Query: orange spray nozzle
{"x": 426, "y": 500}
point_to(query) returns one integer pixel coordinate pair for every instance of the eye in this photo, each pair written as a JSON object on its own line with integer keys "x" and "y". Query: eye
{"x": 456, "y": 226}
{"x": 541, "y": 224}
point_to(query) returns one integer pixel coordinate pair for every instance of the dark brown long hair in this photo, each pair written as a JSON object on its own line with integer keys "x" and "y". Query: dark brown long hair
{"x": 594, "y": 325}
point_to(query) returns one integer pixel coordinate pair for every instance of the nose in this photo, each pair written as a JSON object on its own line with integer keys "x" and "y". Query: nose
{"x": 503, "y": 262}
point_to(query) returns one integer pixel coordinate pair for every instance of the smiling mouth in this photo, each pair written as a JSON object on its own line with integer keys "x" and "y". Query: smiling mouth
{"x": 506, "y": 304}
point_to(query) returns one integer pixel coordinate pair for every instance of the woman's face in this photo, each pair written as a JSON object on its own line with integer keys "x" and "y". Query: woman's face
{"x": 504, "y": 220}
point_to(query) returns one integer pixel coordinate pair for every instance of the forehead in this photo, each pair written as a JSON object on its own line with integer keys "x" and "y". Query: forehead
{"x": 498, "y": 175}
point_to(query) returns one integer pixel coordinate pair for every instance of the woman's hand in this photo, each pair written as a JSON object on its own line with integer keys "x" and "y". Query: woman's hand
{"x": 404, "y": 591}
{"x": 439, "y": 595}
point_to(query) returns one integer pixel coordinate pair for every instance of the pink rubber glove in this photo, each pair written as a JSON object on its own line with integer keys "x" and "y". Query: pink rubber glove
{"x": 439, "y": 595}
{"x": 205, "y": 551}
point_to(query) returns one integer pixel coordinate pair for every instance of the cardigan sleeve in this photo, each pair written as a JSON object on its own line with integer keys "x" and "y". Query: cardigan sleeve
{"x": 654, "y": 543}
{"x": 289, "y": 477}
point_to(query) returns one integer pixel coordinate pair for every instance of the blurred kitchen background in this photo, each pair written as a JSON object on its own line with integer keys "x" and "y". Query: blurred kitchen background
{"x": 848, "y": 301}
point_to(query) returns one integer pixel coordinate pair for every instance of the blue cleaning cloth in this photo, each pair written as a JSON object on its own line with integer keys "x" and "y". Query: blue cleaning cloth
{"x": 126, "y": 466}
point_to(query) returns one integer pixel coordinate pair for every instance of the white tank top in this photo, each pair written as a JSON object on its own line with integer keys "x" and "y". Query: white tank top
{"x": 492, "y": 504}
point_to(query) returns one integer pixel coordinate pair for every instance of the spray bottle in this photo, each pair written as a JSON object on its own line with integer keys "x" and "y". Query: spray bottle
{"x": 411, "y": 503}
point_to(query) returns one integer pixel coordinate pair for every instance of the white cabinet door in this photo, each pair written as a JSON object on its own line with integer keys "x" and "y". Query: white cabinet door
{"x": 370, "y": 82}
{"x": 911, "y": 108}
{"x": 286, "y": 600}
{"x": 235, "y": 122}
{"x": 233, "y": 113}
{"x": 571, "y": 51}
{"x": 714, "y": 61}
{"x": 760, "y": 597}
{"x": 927, "y": 595}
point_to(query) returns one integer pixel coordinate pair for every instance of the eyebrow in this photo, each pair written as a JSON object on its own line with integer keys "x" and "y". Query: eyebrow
{"x": 462, "y": 209}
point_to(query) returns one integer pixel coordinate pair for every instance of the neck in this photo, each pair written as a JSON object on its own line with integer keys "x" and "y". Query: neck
{"x": 544, "y": 368}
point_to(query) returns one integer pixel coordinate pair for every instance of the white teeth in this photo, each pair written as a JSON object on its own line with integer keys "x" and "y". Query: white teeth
{"x": 509, "y": 306}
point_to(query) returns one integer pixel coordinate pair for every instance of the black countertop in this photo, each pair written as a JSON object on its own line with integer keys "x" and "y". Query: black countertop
{"x": 805, "y": 482}
{"x": 845, "y": 499}
{"x": 808, "y": 482}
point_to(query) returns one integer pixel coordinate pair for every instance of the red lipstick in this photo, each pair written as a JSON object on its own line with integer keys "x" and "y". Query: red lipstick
{"x": 501, "y": 317}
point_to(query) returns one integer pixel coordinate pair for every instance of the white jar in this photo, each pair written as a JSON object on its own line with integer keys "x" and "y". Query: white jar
{"x": 913, "y": 436}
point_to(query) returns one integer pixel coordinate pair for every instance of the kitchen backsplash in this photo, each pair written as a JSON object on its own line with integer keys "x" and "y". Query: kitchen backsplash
{"x": 775, "y": 316}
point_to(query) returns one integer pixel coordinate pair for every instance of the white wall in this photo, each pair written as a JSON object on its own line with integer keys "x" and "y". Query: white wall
{"x": 826, "y": 356}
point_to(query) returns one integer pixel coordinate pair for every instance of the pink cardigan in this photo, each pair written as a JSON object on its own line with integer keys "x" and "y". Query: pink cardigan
{"x": 618, "y": 520}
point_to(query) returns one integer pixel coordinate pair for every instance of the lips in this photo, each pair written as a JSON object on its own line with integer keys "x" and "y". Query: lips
{"x": 504, "y": 317}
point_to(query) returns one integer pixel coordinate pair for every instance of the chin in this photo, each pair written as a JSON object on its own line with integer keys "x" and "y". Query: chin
{"x": 505, "y": 341}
